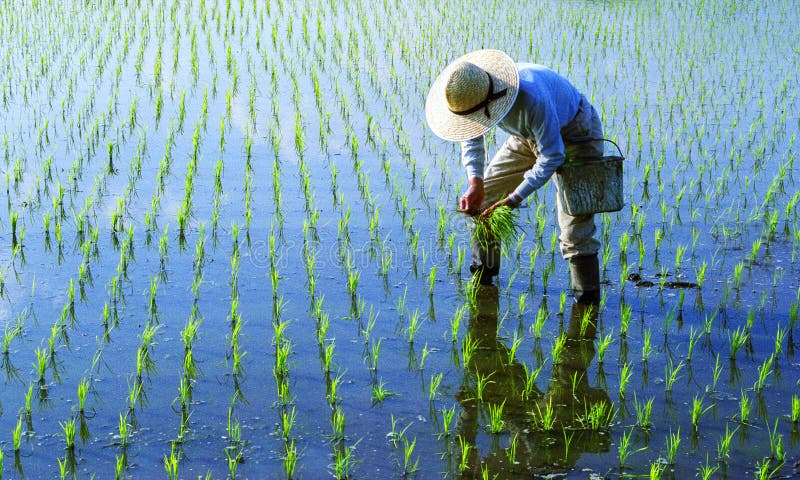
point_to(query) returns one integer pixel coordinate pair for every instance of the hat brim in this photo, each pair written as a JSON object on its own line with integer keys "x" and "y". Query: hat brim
{"x": 453, "y": 127}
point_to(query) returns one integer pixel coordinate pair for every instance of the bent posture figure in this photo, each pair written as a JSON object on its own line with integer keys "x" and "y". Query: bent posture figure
{"x": 548, "y": 120}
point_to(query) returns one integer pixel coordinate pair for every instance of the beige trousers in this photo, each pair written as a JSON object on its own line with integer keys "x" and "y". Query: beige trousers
{"x": 517, "y": 156}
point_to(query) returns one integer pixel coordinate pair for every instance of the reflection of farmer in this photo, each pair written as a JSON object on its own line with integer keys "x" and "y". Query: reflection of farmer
{"x": 546, "y": 117}
{"x": 568, "y": 394}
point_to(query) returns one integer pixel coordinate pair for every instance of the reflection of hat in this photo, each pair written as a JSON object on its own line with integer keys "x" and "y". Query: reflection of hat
{"x": 472, "y": 95}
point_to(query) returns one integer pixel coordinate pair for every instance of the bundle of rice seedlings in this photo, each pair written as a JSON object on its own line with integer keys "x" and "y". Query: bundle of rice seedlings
{"x": 500, "y": 225}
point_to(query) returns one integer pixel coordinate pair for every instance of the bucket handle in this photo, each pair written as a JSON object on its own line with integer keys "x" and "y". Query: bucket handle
{"x": 587, "y": 139}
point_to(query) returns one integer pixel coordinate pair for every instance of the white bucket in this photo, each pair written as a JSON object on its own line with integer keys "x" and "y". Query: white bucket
{"x": 591, "y": 185}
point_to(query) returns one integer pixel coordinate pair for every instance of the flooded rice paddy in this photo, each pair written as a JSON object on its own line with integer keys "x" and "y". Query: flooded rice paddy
{"x": 230, "y": 246}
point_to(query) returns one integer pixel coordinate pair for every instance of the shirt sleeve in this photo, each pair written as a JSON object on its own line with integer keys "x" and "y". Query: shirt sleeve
{"x": 545, "y": 130}
{"x": 473, "y": 156}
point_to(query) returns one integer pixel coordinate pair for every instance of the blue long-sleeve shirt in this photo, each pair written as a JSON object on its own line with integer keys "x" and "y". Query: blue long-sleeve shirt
{"x": 545, "y": 104}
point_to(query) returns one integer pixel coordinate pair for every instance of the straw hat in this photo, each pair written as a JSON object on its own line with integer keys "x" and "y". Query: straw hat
{"x": 472, "y": 95}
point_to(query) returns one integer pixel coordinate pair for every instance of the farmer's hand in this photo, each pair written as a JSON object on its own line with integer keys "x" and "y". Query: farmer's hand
{"x": 470, "y": 202}
{"x": 510, "y": 202}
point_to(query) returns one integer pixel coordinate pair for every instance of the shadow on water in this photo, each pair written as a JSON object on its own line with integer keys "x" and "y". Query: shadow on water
{"x": 542, "y": 432}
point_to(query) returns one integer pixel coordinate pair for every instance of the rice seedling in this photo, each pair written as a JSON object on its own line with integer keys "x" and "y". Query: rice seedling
{"x": 625, "y": 374}
{"x": 738, "y": 339}
{"x": 538, "y": 325}
{"x": 673, "y": 442}
{"x": 724, "y": 444}
{"x": 671, "y": 374}
{"x": 643, "y": 412}
{"x": 410, "y": 465}
{"x": 777, "y": 452}
{"x": 698, "y": 410}
{"x": 544, "y": 419}
{"x": 706, "y": 471}
{"x": 380, "y": 392}
{"x": 413, "y": 326}
{"x": 625, "y": 450}
{"x": 647, "y": 348}
{"x": 16, "y": 435}
{"x": 795, "y": 416}
{"x": 764, "y": 370}
{"x": 558, "y": 348}
{"x": 466, "y": 447}
{"x": 496, "y": 422}
{"x": 624, "y": 319}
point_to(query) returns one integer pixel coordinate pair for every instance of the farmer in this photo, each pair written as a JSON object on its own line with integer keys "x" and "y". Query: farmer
{"x": 548, "y": 120}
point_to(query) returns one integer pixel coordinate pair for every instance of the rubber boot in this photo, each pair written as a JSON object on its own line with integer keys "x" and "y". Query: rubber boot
{"x": 485, "y": 258}
{"x": 584, "y": 273}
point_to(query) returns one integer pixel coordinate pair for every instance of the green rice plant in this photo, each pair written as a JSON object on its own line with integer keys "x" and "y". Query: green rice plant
{"x": 10, "y": 332}
{"x": 343, "y": 462}
{"x": 433, "y": 386}
{"x": 698, "y": 409}
{"x": 83, "y": 389}
{"x": 27, "y": 410}
{"x": 496, "y": 422}
{"x": 624, "y": 319}
{"x": 538, "y": 326}
{"x": 172, "y": 463}
{"x": 468, "y": 347}
{"x": 763, "y": 372}
{"x": 745, "y": 407}
{"x": 602, "y": 344}
{"x": 795, "y": 409}
{"x": 780, "y": 336}
{"x": 776, "y": 448}
{"x": 716, "y": 373}
{"x": 463, "y": 463}
{"x": 624, "y": 448}
{"x": 558, "y": 347}
{"x": 431, "y": 280}
{"x": 694, "y": 337}
{"x": 544, "y": 420}
{"x": 499, "y": 224}
{"x": 706, "y": 471}
{"x": 374, "y": 354}
{"x": 738, "y": 339}
{"x": 482, "y": 382}
{"x": 290, "y": 458}
{"x": 673, "y": 441}
{"x": 724, "y": 444}
{"x": 599, "y": 416}
{"x": 455, "y": 322}
{"x": 332, "y": 394}
{"x": 123, "y": 436}
{"x": 657, "y": 470}
{"x": 42, "y": 359}
{"x": 512, "y": 350}
{"x": 447, "y": 419}
{"x": 643, "y": 412}
{"x": 410, "y": 466}
{"x": 16, "y": 435}
{"x": 380, "y": 392}
{"x": 671, "y": 374}
{"x": 647, "y": 348}
{"x": 625, "y": 373}
{"x": 521, "y": 303}
{"x": 530, "y": 380}
{"x": 764, "y": 469}
{"x": 327, "y": 356}
{"x": 511, "y": 451}
{"x": 414, "y": 323}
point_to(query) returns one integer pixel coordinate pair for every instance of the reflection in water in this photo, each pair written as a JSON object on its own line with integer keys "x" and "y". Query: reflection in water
{"x": 542, "y": 431}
